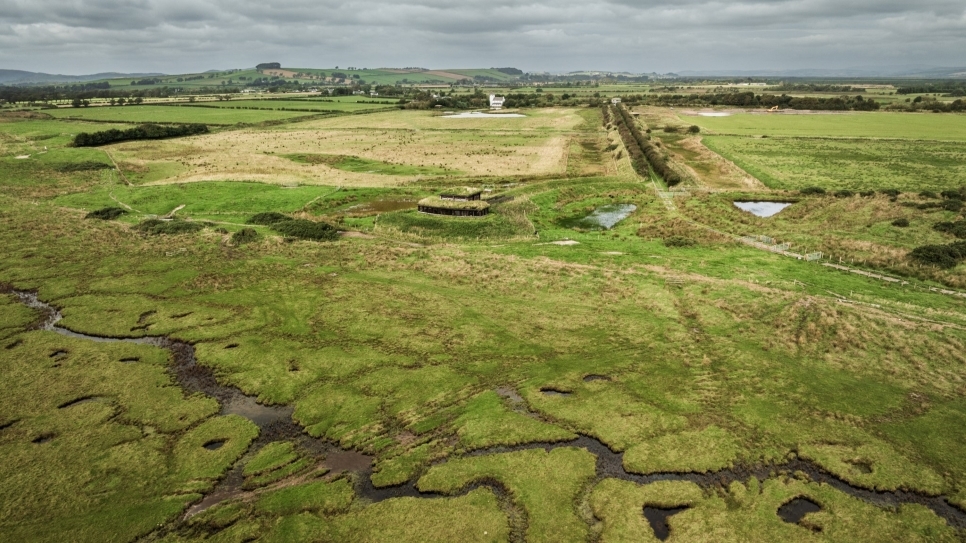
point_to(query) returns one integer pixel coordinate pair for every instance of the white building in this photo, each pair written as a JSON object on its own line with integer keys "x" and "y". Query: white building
{"x": 615, "y": 101}
{"x": 496, "y": 102}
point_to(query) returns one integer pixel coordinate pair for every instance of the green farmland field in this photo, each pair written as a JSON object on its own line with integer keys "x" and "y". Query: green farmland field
{"x": 527, "y": 376}
{"x": 856, "y": 164}
{"x": 308, "y": 103}
{"x": 906, "y": 126}
{"x": 172, "y": 114}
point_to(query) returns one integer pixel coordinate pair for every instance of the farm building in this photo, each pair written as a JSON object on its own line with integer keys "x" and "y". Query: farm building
{"x": 454, "y": 208}
{"x": 456, "y": 202}
{"x": 461, "y": 194}
{"x": 496, "y": 102}
{"x": 615, "y": 101}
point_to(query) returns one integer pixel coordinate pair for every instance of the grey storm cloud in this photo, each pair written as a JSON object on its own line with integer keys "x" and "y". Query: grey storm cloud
{"x": 75, "y": 36}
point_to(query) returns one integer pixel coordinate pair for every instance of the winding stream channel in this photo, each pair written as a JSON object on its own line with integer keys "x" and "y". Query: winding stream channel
{"x": 275, "y": 423}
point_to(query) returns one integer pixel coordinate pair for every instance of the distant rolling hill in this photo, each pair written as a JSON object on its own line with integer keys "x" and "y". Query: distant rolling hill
{"x": 21, "y": 77}
{"x": 911, "y": 72}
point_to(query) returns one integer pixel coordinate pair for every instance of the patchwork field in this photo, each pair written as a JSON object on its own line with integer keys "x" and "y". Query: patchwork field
{"x": 413, "y": 140}
{"x": 530, "y": 375}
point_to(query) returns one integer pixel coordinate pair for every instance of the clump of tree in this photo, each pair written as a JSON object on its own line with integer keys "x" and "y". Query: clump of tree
{"x": 901, "y": 223}
{"x": 942, "y": 256}
{"x": 157, "y": 227}
{"x": 243, "y": 236}
{"x": 143, "y": 132}
{"x": 106, "y": 213}
{"x": 305, "y": 229}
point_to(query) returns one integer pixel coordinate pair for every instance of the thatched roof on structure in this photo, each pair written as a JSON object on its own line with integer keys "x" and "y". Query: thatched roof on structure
{"x": 460, "y": 192}
{"x": 436, "y": 201}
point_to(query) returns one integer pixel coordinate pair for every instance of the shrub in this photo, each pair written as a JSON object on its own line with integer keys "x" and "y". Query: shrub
{"x": 268, "y": 218}
{"x": 303, "y": 229}
{"x": 812, "y": 190}
{"x": 867, "y": 193}
{"x": 844, "y": 194}
{"x": 959, "y": 194}
{"x": 143, "y": 132}
{"x": 901, "y": 223}
{"x": 158, "y": 227}
{"x": 694, "y": 129}
{"x": 106, "y": 213}
{"x": 670, "y": 129}
{"x": 928, "y": 194}
{"x": 679, "y": 241}
{"x": 243, "y": 236}
{"x": 957, "y": 228}
{"x": 892, "y": 193}
{"x": 85, "y": 166}
{"x": 943, "y": 256}
{"x": 953, "y": 205}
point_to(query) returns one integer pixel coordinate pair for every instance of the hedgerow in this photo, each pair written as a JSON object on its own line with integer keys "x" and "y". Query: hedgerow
{"x": 143, "y": 132}
{"x": 642, "y": 152}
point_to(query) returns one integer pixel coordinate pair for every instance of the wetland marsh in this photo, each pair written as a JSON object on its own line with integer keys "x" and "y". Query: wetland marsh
{"x": 596, "y": 360}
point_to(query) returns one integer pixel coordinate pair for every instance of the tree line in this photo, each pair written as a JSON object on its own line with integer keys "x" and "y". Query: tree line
{"x": 750, "y": 99}
{"x": 142, "y": 132}
{"x": 642, "y": 151}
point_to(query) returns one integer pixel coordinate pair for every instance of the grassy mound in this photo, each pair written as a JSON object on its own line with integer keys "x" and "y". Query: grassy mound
{"x": 490, "y": 226}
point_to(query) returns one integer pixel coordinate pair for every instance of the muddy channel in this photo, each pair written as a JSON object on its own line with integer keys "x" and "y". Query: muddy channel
{"x": 275, "y": 423}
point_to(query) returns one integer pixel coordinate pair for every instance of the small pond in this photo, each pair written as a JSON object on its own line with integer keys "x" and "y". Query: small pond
{"x": 762, "y": 209}
{"x": 481, "y": 115}
{"x": 605, "y": 217}
{"x": 794, "y": 511}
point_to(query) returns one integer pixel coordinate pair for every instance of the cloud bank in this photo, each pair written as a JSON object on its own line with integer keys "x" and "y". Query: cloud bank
{"x": 85, "y": 36}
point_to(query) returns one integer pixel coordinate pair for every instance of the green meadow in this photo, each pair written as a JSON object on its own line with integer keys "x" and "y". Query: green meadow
{"x": 524, "y": 376}
{"x": 884, "y": 125}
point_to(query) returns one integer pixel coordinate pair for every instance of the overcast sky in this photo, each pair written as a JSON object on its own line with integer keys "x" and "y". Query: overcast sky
{"x": 179, "y": 36}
